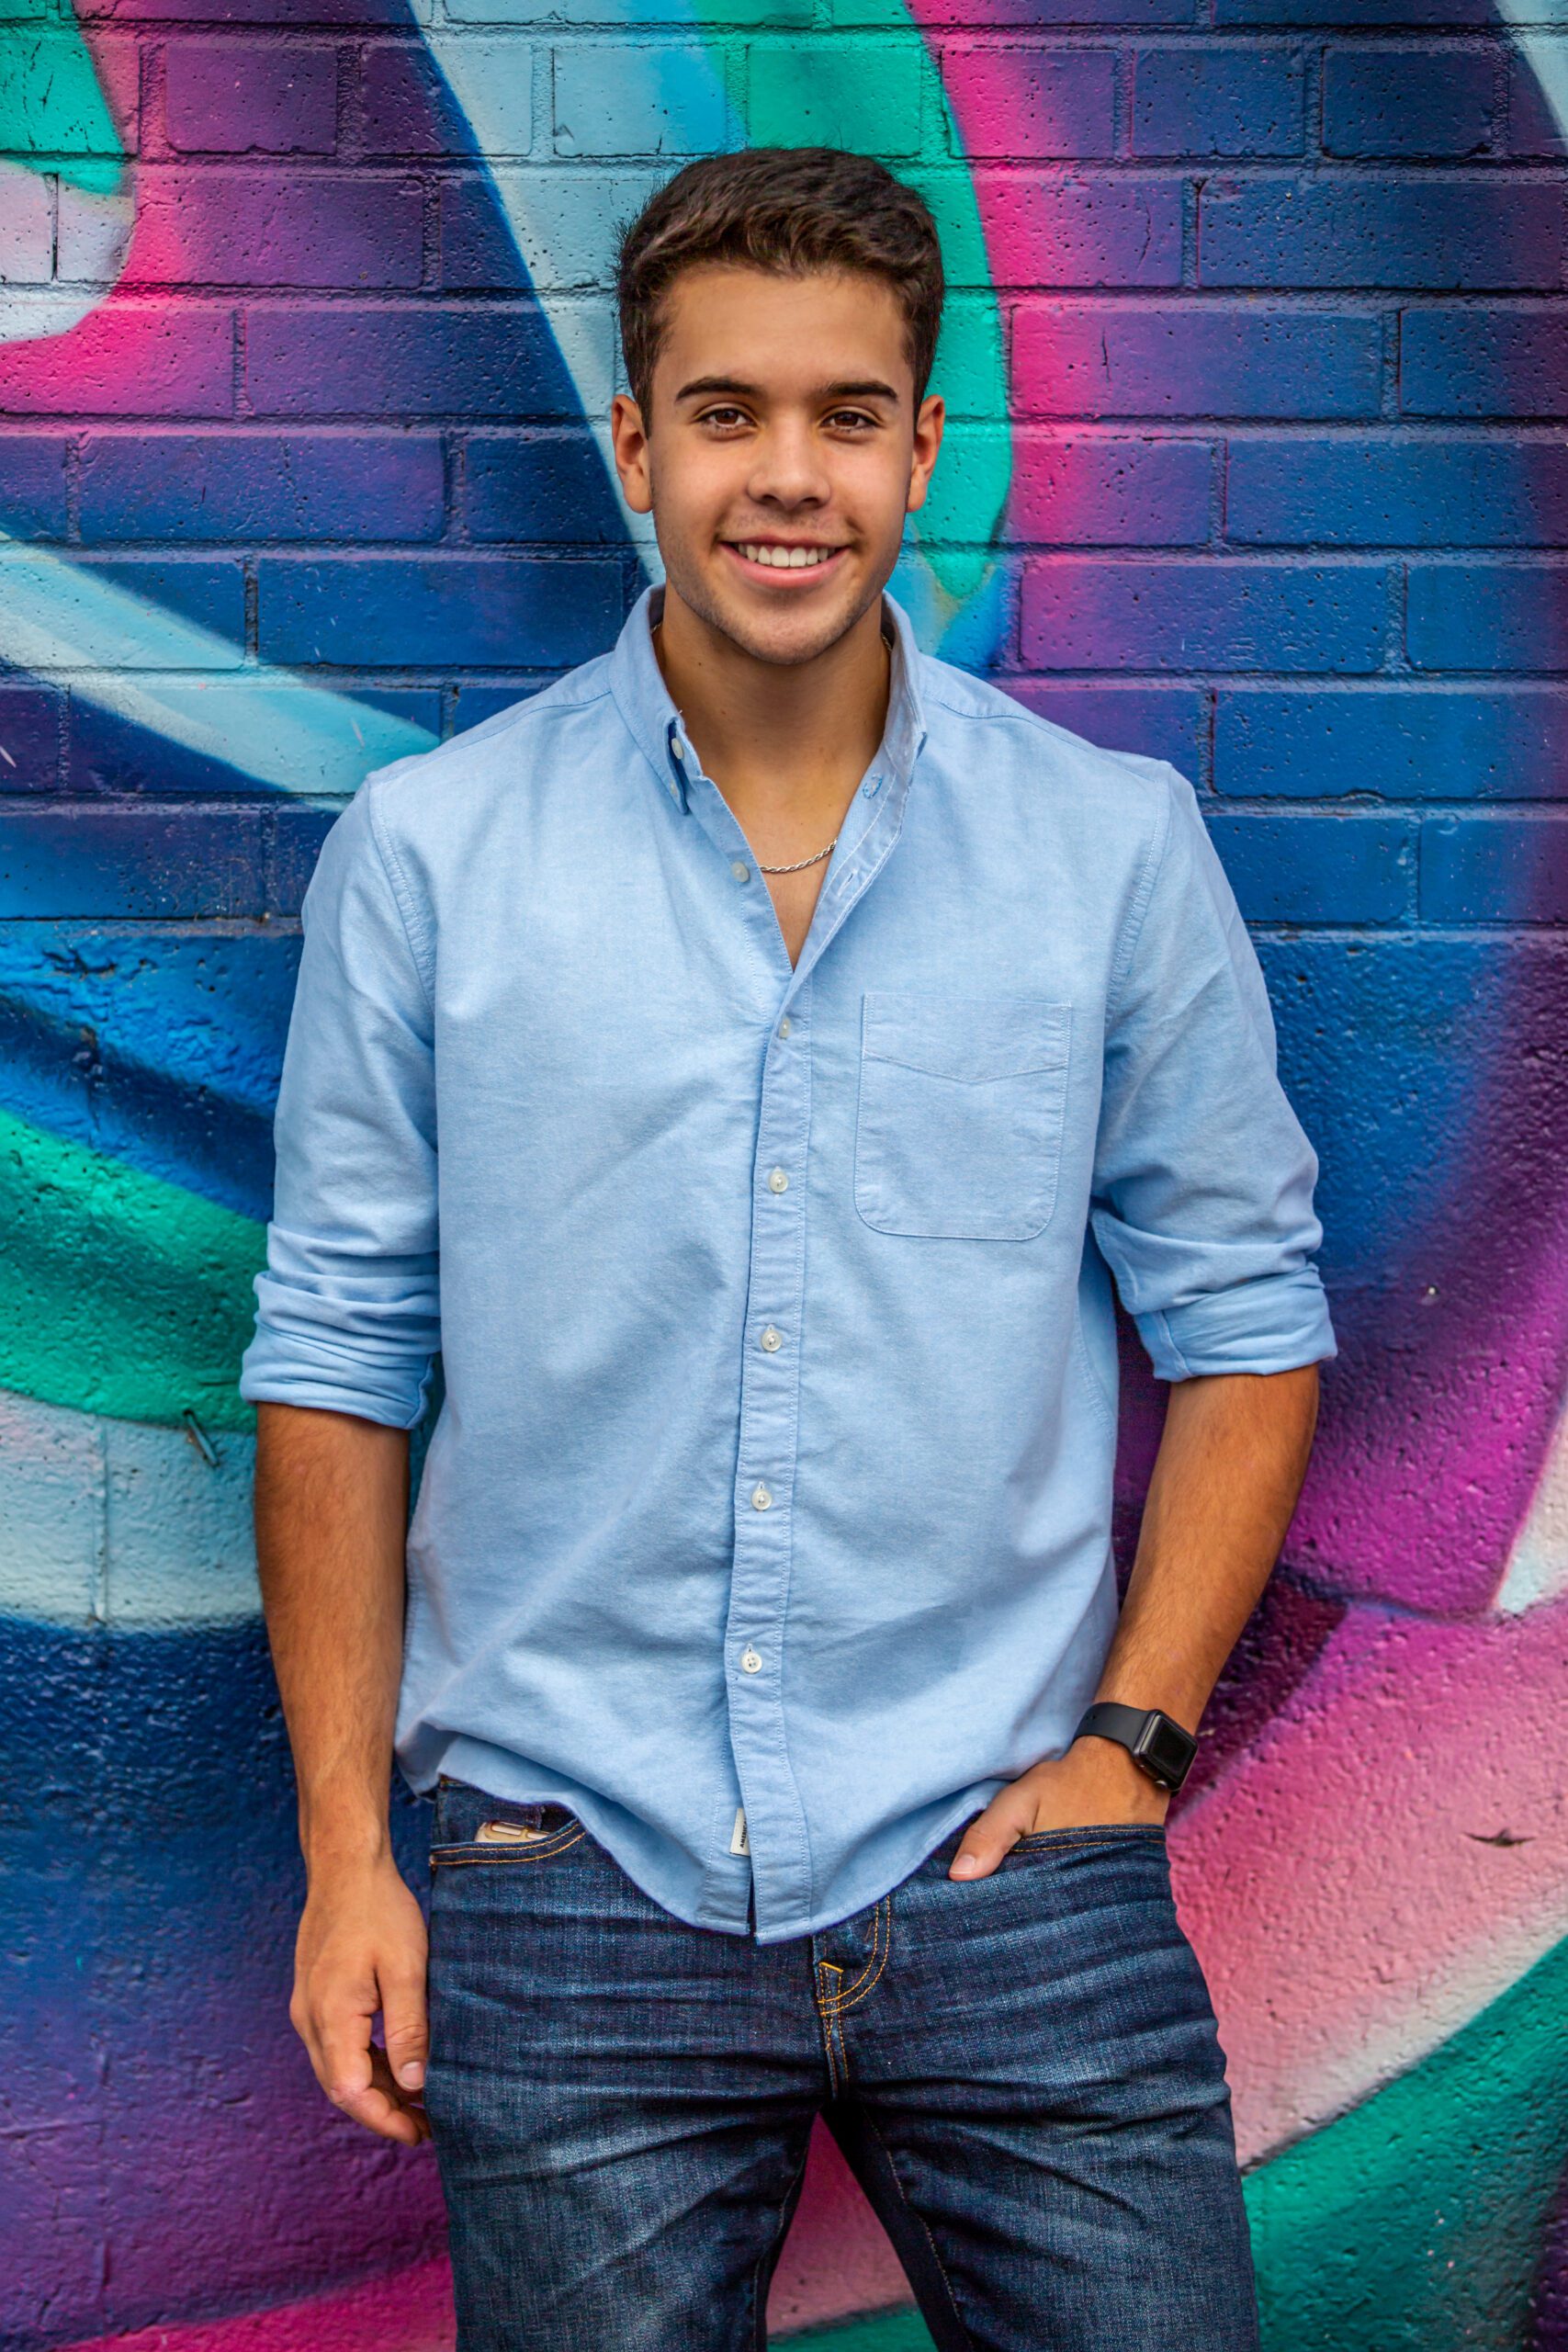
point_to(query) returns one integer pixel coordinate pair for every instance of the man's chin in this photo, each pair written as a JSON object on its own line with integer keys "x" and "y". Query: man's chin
{"x": 784, "y": 638}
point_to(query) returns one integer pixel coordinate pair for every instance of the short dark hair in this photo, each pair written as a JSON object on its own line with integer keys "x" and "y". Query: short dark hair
{"x": 788, "y": 209}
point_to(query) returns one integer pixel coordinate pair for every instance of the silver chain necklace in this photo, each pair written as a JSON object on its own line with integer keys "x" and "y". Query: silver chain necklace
{"x": 801, "y": 863}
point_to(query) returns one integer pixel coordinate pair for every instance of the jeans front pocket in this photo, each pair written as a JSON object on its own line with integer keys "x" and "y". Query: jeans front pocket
{"x": 958, "y": 1133}
{"x": 471, "y": 1826}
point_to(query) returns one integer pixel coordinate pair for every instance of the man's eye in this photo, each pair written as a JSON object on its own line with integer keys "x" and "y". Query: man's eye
{"x": 851, "y": 416}
{"x": 724, "y": 416}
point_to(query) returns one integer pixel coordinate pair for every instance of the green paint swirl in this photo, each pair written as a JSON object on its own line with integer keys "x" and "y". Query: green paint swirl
{"x": 119, "y": 1292}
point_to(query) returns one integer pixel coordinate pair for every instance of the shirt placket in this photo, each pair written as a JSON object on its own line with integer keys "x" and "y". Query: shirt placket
{"x": 756, "y": 1633}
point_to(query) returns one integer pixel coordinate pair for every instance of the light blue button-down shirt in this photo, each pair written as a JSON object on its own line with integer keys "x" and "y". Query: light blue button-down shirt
{"x": 766, "y": 1519}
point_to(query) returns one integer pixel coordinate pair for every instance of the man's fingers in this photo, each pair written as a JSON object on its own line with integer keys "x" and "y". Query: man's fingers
{"x": 400, "y": 2119}
{"x": 343, "y": 2042}
{"x": 356, "y": 2077}
{"x": 988, "y": 1837}
{"x": 407, "y": 2033}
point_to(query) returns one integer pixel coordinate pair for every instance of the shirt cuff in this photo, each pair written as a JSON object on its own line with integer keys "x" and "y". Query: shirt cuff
{"x": 285, "y": 1369}
{"x": 1275, "y": 1324}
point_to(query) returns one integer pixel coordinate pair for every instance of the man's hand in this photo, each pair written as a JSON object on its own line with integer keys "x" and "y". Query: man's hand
{"x": 362, "y": 1947}
{"x": 1094, "y": 1784}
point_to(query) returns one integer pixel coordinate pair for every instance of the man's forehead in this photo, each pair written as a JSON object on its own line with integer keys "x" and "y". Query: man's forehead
{"x": 853, "y": 302}
{"x": 857, "y": 334}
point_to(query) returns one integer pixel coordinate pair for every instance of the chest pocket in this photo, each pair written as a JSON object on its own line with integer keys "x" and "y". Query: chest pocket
{"x": 958, "y": 1133}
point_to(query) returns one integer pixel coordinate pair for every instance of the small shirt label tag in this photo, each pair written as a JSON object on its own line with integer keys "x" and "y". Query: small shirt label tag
{"x": 738, "y": 1842}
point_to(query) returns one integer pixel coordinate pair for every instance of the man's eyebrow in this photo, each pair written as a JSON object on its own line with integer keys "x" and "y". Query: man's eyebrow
{"x": 859, "y": 389}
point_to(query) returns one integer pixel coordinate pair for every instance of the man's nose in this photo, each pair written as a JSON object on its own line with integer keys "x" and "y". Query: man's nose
{"x": 787, "y": 467}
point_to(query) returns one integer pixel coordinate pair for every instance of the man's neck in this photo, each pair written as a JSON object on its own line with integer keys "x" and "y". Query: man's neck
{"x": 786, "y": 744}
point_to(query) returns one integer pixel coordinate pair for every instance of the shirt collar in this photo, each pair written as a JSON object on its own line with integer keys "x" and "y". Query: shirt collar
{"x": 643, "y": 699}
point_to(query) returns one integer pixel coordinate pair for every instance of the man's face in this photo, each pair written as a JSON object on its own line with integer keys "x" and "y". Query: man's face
{"x": 781, "y": 454}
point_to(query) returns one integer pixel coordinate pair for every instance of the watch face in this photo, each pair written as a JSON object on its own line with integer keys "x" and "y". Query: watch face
{"x": 1167, "y": 1746}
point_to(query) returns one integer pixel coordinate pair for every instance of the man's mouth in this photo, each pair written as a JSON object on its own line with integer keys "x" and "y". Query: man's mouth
{"x": 775, "y": 555}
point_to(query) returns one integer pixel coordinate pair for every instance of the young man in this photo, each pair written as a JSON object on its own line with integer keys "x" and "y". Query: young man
{"x": 749, "y": 1061}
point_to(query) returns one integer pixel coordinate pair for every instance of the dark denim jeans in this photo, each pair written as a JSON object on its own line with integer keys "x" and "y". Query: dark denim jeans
{"x": 1023, "y": 2070}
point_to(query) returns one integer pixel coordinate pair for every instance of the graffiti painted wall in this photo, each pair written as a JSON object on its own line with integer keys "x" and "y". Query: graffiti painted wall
{"x": 1259, "y": 362}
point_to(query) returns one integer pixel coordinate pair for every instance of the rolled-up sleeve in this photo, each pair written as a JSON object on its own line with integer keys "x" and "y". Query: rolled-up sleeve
{"x": 348, "y": 1304}
{"x": 1203, "y": 1179}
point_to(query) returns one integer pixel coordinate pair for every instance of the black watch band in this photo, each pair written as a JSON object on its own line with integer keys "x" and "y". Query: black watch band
{"x": 1156, "y": 1741}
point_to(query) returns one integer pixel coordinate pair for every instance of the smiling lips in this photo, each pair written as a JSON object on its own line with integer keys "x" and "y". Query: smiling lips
{"x": 773, "y": 556}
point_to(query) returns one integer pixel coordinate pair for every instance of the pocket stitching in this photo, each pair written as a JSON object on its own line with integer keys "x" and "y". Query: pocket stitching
{"x": 1088, "y": 1832}
{"x": 466, "y": 1850}
{"x": 912, "y": 1226}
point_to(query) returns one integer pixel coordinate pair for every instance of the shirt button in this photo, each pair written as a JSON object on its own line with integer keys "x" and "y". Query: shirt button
{"x": 678, "y": 747}
{"x": 783, "y": 1027}
{"x": 777, "y": 1180}
{"x": 749, "y": 1662}
{"x": 760, "y": 1497}
{"x": 742, "y": 873}
{"x": 771, "y": 1340}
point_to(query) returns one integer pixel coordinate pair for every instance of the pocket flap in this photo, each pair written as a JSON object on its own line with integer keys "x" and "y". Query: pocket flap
{"x": 968, "y": 1038}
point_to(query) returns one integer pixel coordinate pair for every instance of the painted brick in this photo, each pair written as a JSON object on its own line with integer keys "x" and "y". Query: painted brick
{"x": 404, "y": 106}
{"x": 1194, "y": 360}
{"x": 1121, "y": 230}
{"x": 282, "y": 13}
{"x": 473, "y": 703}
{"x": 207, "y": 225}
{"x": 416, "y": 360}
{"x": 27, "y": 229}
{"x": 408, "y": 108}
{"x": 655, "y": 99}
{"x": 539, "y": 485}
{"x": 1215, "y": 101}
{"x": 1400, "y": 742}
{"x": 1488, "y": 615}
{"x": 1165, "y": 722}
{"x": 108, "y": 754}
{"x": 482, "y": 610}
{"x": 1495, "y": 869}
{"x": 773, "y": 15}
{"x": 1371, "y": 490}
{"x": 242, "y": 98}
{"x": 132, "y": 360}
{"x": 41, "y": 88}
{"x": 1407, "y": 101}
{"x": 1501, "y": 360}
{"x": 574, "y": 215}
{"x": 837, "y": 94}
{"x": 1532, "y": 128}
{"x": 260, "y": 486}
{"x": 1085, "y": 613}
{"x": 1022, "y": 104}
{"x": 1110, "y": 490}
{"x": 936, "y": 15}
{"x": 29, "y": 738}
{"x": 130, "y": 862}
{"x": 1348, "y": 230}
{"x": 1376, "y": 15}
{"x": 1297, "y": 869}
{"x": 293, "y": 843}
{"x": 32, "y": 485}
{"x": 207, "y": 592}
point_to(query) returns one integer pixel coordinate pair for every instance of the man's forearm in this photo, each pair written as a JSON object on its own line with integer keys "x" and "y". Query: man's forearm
{"x": 331, "y": 1516}
{"x": 1225, "y": 1480}
{"x": 1226, "y": 1477}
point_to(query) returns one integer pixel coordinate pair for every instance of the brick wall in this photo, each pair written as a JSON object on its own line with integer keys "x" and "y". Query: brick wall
{"x": 1258, "y": 365}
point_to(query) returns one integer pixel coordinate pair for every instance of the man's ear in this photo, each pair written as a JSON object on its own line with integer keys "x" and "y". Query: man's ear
{"x": 929, "y": 418}
{"x": 628, "y": 439}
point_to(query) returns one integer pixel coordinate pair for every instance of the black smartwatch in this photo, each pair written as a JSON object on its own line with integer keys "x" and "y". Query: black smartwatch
{"x": 1156, "y": 1743}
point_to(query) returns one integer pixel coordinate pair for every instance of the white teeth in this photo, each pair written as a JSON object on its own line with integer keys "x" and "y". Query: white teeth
{"x": 785, "y": 558}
